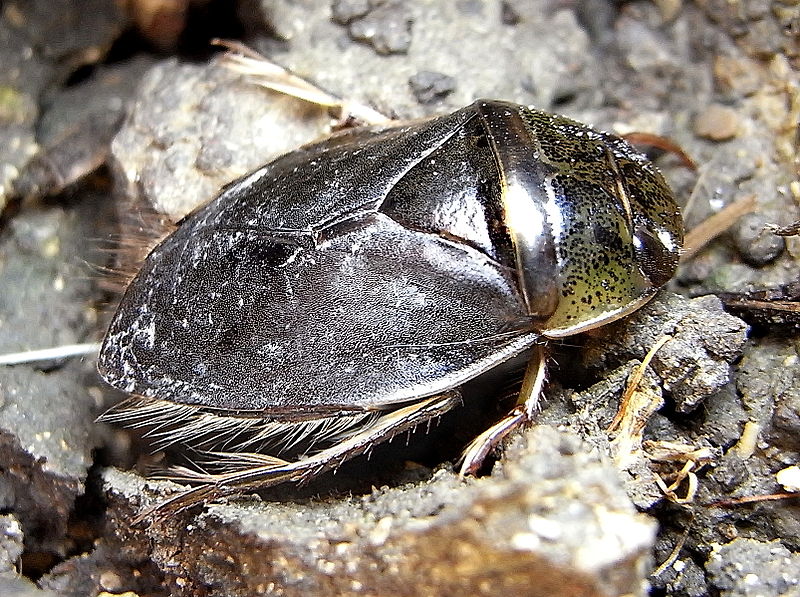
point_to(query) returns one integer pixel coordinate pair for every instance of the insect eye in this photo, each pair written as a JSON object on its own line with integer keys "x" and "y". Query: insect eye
{"x": 657, "y": 257}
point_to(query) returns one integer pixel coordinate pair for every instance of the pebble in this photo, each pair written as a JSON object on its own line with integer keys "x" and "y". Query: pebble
{"x": 756, "y": 246}
{"x": 737, "y": 75}
{"x": 789, "y": 478}
{"x": 429, "y": 86}
{"x": 717, "y": 122}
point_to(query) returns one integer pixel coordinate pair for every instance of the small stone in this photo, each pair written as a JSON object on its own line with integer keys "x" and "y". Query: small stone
{"x": 11, "y": 544}
{"x": 717, "y": 123}
{"x": 789, "y": 478}
{"x": 751, "y": 567}
{"x": 110, "y": 581}
{"x": 386, "y": 28}
{"x": 346, "y": 11}
{"x": 183, "y": 142}
{"x": 737, "y": 74}
{"x": 554, "y": 514}
{"x": 509, "y": 14}
{"x": 694, "y": 364}
{"x": 755, "y": 245}
{"x": 669, "y": 9}
{"x": 470, "y": 7}
{"x": 429, "y": 86}
{"x": 730, "y": 472}
{"x": 786, "y": 420}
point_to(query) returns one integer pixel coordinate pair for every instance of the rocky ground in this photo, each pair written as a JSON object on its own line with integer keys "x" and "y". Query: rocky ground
{"x": 109, "y": 114}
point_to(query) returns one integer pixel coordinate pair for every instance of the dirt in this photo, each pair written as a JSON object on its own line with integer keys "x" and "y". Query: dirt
{"x": 103, "y": 124}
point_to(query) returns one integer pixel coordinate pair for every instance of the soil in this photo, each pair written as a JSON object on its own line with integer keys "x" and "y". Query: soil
{"x": 115, "y": 122}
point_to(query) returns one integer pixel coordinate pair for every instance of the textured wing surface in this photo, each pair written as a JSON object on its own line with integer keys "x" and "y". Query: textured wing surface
{"x": 292, "y": 293}
{"x": 374, "y": 316}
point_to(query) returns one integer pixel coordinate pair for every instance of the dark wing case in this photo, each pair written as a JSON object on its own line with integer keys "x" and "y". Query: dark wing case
{"x": 319, "y": 283}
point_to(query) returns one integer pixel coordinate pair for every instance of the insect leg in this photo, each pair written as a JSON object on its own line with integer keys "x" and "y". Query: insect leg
{"x": 527, "y": 404}
{"x": 260, "y": 70}
{"x": 271, "y": 473}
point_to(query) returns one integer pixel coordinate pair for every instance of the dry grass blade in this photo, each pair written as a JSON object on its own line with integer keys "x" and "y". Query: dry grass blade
{"x": 624, "y": 411}
{"x": 49, "y": 354}
{"x": 699, "y": 236}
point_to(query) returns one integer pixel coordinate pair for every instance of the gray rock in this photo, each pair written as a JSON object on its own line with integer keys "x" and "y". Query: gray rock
{"x": 76, "y": 127}
{"x": 39, "y": 48}
{"x": 12, "y": 584}
{"x": 694, "y": 364}
{"x": 45, "y": 277}
{"x": 684, "y": 578}
{"x": 769, "y": 373}
{"x": 523, "y": 62}
{"x": 429, "y": 87}
{"x": 386, "y": 27}
{"x": 46, "y": 437}
{"x": 757, "y": 246}
{"x": 786, "y": 421}
{"x": 746, "y": 567}
{"x": 103, "y": 572}
{"x": 757, "y": 29}
{"x": 346, "y": 11}
{"x": 19, "y": 586}
{"x": 589, "y": 413}
{"x": 47, "y": 432}
{"x": 730, "y": 472}
{"x": 183, "y": 141}
{"x": 195, "y": 128}
{"x": 11, "y": 545}
{"x": 551, "y": 521}
{"x": 724, "y": 417}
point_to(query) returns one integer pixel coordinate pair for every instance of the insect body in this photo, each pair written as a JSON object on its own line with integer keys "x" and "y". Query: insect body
{"x": 353, "y": 285}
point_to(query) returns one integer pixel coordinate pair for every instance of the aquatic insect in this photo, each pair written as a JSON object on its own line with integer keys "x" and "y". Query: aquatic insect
{"x": 346, "y": 290}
